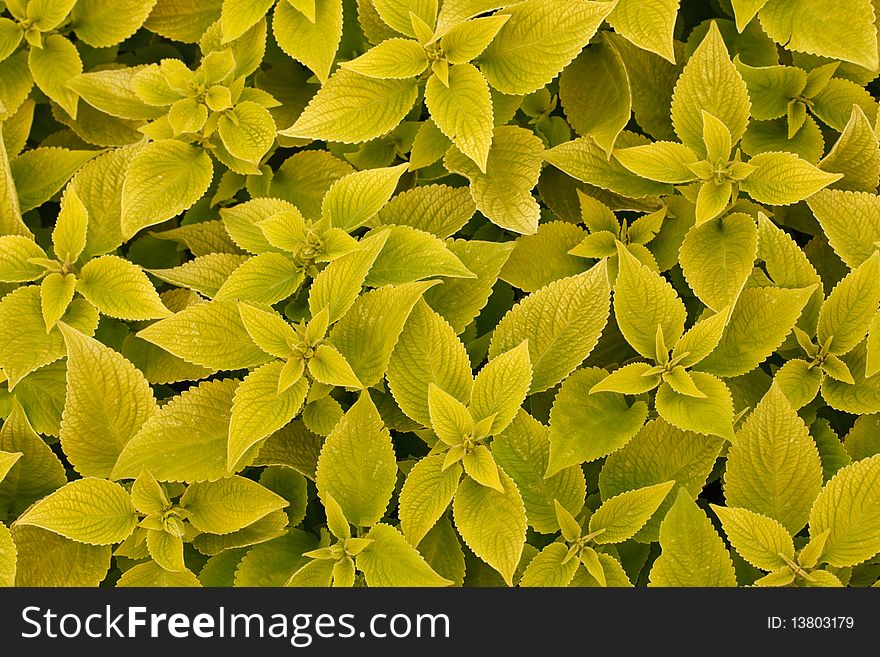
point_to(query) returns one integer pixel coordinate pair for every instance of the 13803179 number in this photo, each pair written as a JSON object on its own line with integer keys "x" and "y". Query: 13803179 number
{"x": 821, "y": 622}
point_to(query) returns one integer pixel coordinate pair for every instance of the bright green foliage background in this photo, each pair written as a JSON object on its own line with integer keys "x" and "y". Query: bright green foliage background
{"x": 439, "y": 293}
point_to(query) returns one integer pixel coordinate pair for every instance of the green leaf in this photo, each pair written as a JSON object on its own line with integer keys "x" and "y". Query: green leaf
{"x": 329, "y": 367}
{"x": 366, "y": 335}
{"x": 357, "y": 465}
{"x": 272, "y": 563}
{"x": 337, "y": 286}
{"x": 784, "y": 178}
{"x": 717, "y": 257}
{"x": 204, "y": 274}
{"x": 28, "y": 346}
{"x": 585, "y": 160}
{"x": 578, "y": 306}
{"x": 450, "y": 419}
{"x": 711, "y": 416}
{"x": 833, "y": 104}
{"x": 258, "y": 410}
{"x": 107, "y": 402}
{"x": 266, "y": 278}
{"x": 15, "y": 251}
{"x": 701, "y": 339}
{"x": 863, "y": 396}
{"x": 10, "y": 210}
{"x": 209, "y": 334}
{"x": 856, "y": 155}
{"x": 585, "y": 426}
{"x": 462, "y": 109}
{"x": 493, "y": 524}
{"x": 151, "y": 574}
{"x": 166, "y": 550}
{"x": 353, "y": 108}
{"x": 391, "y": 59}
{"x": 8, "y": 557}
{"x": 186, "y": 439}
{"x": 311, "y": 42}
{"x": 313, "y": 573}
{"x": 645, "y": 303}
{"x": 53, "y": 66}
{"x": 425, "y": 496}
{"x": 71, "y": 227}
{"x": 120, "y": 289}
{"x": 847, "y": 312}
{"x": 469, "y": 39}
{"x": 427, "y": 351}
{"x": 759, "y": 322}
{"x": 501, "y": 387}
{"x": 662, "y": 161}
{"x": 437, "y": 209}
{"x": 243, "y": 222}
{"x": 760, "y": 540}
{"x": 711, "y": 83}
{"x": 40, "y": 173}
{"x": 101, "y": 25}
{"x": 238, "y": 16}
{"x": 410, "y": 255}
{"x": 818, "y": 27}
{"x": 357, "y": 197}
{"x": 773, "y": 467}
{"x": 604, "y": 110}
{"x": 658, "y": 453}
{"x": 460, "y": 300}
{"x": 849, "y": 506}
{"x": 47, "y": 559}
{"x": 632, "y": 379}
{"x": 549, "y": 567}
{"x": 849, "y": 219}
{"x": 799, "y": 381}
{"x": 539, "y": 259}
{"x": 227, "y": 505}
{"x": 35, "y": 474}
{"x": 99, "y": 185}
{"x": 396, "y": 13}
{"x": 622, "y": 516}
{"x": 648, "y": 24}
{"x": 7, "y": 460}
{"x": 504, "y": 191}
{"x": 538, "y": 41}
{"x": 692, "y": 552}
{"x": 745, "y": 11}
{"x": 247, "y": 131}
{"x": 56, "y": 293}
{"x": 390, "y": 561}
{"x": 523, "y": 451}
{"x": 613, "y": 572}
{"x": 164, "y": 179}
{"x": 92, "y": 511}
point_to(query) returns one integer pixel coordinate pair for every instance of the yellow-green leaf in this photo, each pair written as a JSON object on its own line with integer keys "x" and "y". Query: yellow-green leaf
{"x": 92, "y": 511}
{"x": 357, "y": 465}
{"x": 562, "y": 323}
{"x": 227, "y": 505}
{"x": 709, "y": 82}
{"x": 120, "y": 289}
{"x": 692, "y": 552}
{"x": 163, "y": 180}
{"x": 493, "y": 524}
{"x": 849, "y": 506}
{"x": 108, "y": 401}
{"x": 354, "y": 108}
{"x": 773, "y": 467}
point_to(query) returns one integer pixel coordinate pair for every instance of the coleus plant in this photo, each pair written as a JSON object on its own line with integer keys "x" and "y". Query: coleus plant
{"x": 439, "y": 293}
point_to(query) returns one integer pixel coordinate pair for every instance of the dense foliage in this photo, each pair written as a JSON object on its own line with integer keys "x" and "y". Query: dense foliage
{"x": 420, "y": 292}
